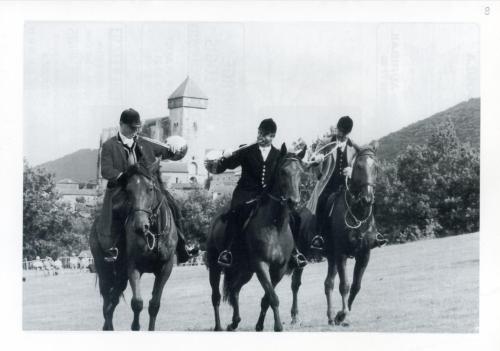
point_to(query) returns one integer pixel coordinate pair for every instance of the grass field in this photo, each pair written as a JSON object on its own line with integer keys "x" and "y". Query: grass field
{"x": 426, "y": 286}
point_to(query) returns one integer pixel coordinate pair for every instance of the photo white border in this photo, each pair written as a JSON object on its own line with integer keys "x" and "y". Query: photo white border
{"x": 12, "y": 18}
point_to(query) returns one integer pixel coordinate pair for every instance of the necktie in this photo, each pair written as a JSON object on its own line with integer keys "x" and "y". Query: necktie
{"x": 131, "y": 160}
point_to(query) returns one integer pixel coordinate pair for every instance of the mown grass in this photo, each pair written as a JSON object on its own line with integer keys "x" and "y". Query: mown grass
{"x": 426, "y": 286}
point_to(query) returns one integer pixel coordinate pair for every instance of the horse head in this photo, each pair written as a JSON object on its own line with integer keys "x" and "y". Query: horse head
{"x": 290, "y": 168}
{"x": 144, "y": 196}
{"x": 364, "y": 174}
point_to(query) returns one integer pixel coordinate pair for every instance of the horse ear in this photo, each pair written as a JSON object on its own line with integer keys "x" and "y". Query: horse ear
{"x": 283, "y": 150}
{"x": 374, "y": 145}
{"x": 302, "y": 153}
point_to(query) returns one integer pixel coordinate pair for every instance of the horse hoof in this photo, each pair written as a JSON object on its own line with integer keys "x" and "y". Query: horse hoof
{"x": 218, "y": 328}
{"x": 344, "y": 324}
{"x": 339, "y": 318}
{"x": 230, "y": 327}
{"x": 331, "y": 322}
{"x": 295, "y": 321}
{"x": 259, "y": 328}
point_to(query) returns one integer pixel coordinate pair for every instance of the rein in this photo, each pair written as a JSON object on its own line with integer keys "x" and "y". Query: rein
{"x": 150, "y": 237}
{"x": 358, "y": 222}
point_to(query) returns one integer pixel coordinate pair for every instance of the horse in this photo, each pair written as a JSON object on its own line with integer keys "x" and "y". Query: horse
{"x": 347, "y": 231}
{"x": 146, "y": 243}
{"x": 263, "y": 246}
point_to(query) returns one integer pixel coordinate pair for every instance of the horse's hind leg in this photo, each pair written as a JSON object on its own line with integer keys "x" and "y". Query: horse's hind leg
{"x": 343, "y": 287}
{"x": 296, "y": 282}
{"x": 160, "y": 281}
{"x": 214, "y": 276}
{"x": 329, "y": 280}
{"x": 359, "y": 270}
{"x": 269, "y": 281}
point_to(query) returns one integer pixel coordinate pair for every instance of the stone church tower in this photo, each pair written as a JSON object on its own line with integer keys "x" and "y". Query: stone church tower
{"x": 188, "y": 106}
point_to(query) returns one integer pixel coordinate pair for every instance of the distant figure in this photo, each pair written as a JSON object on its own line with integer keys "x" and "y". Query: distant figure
{"x": 37, "y": 264}
{"x": 48, "y": 266}
{"x": 57, "y": 266}
{"x": 73, "y": 261}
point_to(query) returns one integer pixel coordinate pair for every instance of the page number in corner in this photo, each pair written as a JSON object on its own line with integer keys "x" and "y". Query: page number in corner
{"x": 487, "y": 10}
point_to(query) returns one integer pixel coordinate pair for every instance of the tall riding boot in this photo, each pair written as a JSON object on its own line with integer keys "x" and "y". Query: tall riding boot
{"x": 317, "y": 242}
{"x": 183, "y": 253}
{"x": 298, "y": 259}
{"x": 225, "y": 258}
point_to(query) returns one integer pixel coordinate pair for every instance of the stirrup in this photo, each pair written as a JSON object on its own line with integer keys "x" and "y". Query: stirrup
{"x": 225, "y": 264}
{"x": 111, "y": 255}
{"x": 300, "y": 260}
{"x": 320, "y": 247}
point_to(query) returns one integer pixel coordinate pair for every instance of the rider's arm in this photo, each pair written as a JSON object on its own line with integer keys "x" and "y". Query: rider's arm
{"x": 230, "y": 162}
{"x": 107, "y": 168}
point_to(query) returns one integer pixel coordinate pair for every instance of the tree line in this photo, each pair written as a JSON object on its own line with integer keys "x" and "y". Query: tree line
{"x": 429, "y": 190}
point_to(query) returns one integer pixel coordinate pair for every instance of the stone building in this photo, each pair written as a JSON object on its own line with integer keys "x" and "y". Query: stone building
{"x": 187, "y": 117}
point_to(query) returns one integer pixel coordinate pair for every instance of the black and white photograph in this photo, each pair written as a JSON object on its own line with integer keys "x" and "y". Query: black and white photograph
{"x": 299, "y": 172}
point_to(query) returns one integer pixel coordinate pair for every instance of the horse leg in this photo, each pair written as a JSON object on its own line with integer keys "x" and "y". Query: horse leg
{"x": 160, "y": 281}
{"x": 136, "y": 303}
{"x": 234, "y": 295}
{"x": 343, "y": 287}
{"x": 329, "y": 281}
{"x": 359, "y": 270}
{"x": 214, "y": 276}
{"x": 268, "y": 281}
{"x": 296, "y": 282}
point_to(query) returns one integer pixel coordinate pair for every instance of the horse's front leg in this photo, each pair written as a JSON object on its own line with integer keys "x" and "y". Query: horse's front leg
{"x": 134, "y": 277}
{"x": 359, "y": 270}
{"x": 329, "y": 283}
{"x": 340, "y": 261}
{"x": 161, "y": 278}
{"x": 268, "y": 282}
{"x": 296, "y": 282}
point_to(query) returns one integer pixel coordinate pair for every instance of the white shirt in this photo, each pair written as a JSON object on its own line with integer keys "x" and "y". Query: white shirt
{"x": 265, "y": 151}
{"x": 341, "y": 145}
{"x": 127, "y": 141}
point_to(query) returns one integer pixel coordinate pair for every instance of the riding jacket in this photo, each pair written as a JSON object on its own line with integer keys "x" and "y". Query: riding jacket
{"x": 257, "y": 175}
{"x": 326, "y": 168}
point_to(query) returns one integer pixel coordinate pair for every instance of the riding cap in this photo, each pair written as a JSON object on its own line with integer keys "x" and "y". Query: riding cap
{"x": 267, "y": 126}
{"x": 345, "y": 124}
{"x": 131, "y": 117}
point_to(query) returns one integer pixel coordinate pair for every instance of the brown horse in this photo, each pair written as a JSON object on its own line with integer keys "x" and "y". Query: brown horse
{"x": 147, "y": 238}
{"x": 263, "y": 247}
{"x": 348, "y": 231}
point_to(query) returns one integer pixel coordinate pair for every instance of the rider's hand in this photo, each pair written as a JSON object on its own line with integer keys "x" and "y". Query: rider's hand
{"x": 347, "y": 172}
{"x": 227, "y": 153}
{"x": 318, "y": 158}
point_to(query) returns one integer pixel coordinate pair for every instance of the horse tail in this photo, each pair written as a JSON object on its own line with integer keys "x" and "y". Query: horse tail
{"x": 226, "y": 290}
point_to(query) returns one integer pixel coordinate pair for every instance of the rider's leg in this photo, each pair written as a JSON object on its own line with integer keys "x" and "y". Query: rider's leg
{"x": 111, "y": 222}
{"x": 297, "y": 257}
{"x": 225, "y": 257}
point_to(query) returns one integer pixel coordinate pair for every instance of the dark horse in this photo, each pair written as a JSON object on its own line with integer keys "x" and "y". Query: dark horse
{"x": 148, "y": 238}
{"x": 349, "y": 228}
{"x": 263, "y": 247}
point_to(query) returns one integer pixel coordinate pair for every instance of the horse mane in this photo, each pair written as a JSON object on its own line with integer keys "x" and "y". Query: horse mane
{"x": 142, "y": 169}
{"x": 367, "y": 151}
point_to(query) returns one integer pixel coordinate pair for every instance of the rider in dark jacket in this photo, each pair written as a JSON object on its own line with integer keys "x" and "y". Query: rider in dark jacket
{"x": 117, "y": 155}
{"x": 258, "y": 167}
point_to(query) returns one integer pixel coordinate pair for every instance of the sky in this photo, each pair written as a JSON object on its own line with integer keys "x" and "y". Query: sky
{"x": 79, "y": 76}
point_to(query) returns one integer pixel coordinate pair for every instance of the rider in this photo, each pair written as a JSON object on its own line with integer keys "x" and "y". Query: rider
{"x": 117, "y": 155}
{"x": 334, "y": 169}
{"x": 258, "y": 165}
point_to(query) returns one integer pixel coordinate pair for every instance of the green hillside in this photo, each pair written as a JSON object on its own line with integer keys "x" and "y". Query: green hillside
{"x": 465, "y": 117}
{"x": 80, "y": 166}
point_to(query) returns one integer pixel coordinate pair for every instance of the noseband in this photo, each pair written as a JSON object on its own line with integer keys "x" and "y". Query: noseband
{"x": 281, "y": 199}
{"x": 153, "y": 214}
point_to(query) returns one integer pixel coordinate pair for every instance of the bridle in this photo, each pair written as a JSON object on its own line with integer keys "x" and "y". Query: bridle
{"x": 153, "y": 214}
{"x": 357, "y": 222}
{"x": 282, "y": 199}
